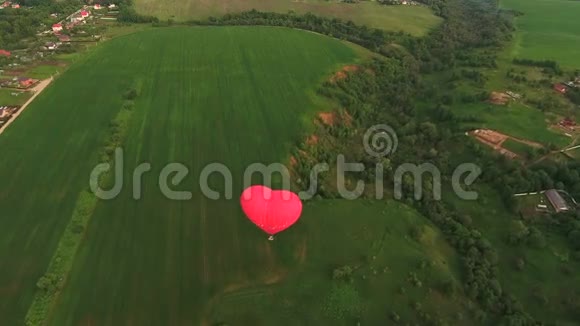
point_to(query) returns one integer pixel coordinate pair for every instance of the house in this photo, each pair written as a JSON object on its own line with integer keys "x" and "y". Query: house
{"x": 25, "y": 82}
{"x": 84, "y": 14}
{"x": 560, "y": 88}
{"x": 4, "y": 53}
{"x": 97, "y": 7}
{"x": 51, "y": 46}
{"x": 56, "y": 27}
{"x": 112, "y": 6}
{"x": 557, "y": 201}
{"x": 76, "y": 19}
{"x": 15, "y": 6}
{"x": 6, "y": 4}
{"x": 53, "y": 15}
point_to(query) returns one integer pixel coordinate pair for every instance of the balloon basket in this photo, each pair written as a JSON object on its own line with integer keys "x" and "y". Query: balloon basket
{"x": 271, "y": 238}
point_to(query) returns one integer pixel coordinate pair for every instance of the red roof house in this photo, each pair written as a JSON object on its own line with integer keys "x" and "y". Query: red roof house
{"x": 84, "y": 13}
{"x": 560, "y": 88}
{"x": 5, "y": 53}
{"x": 25, "y": 82}
{"x": 57, "y": 27}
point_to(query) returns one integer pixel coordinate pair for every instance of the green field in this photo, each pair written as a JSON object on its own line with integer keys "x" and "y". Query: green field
{"x": 549, "y": 29}
{"x": 203, "y": 271}
{"x": 6, "y": 97}
{"x": 515, "y": 120}
{"x": 415, "y": 20}
{"x": 517, "y": 147}
{"x": 212, "y": 95}
{"x": 235, "y": 95}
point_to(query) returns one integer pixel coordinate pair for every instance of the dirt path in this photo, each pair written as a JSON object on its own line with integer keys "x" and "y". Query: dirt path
{"x": 36, "y": 90}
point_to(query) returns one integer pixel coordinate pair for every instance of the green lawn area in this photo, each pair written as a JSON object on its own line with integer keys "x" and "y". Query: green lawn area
{"x": 231, "y": 95}
{"x": 543, "y": 286}
{"x": 517, "y": 147}
{"x": 416, "y": 20}
{"x": 549, "y": 29}
{"x": 6, "y": 97}
{"x": 515, "y": 120}
{"x": 44, "y": 71}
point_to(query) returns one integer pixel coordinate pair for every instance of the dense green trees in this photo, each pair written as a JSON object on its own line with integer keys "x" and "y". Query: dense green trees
{"x": 347, "y": 30}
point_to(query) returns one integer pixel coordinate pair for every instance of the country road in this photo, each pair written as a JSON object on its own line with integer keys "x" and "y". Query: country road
{"x": 36, "y": 90}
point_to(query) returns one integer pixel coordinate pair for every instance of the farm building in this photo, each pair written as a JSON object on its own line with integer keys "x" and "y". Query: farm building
{"x": 26, "y": 82}
{"x": 560, "y": 88}
{"x": 4, "y": 53}
{"x": 4, "y": 113}
{"x": 112, "y": 6}
{"x": 557, "y": 201}
{"x": 15, "y": 6}
{"x": 56, "y": 27}
{"x": 51, "y": 46}
{"x": 97, "y": 7}
{"x": 6, "y": 4}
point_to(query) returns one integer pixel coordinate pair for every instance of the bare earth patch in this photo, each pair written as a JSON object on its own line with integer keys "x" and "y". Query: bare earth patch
{"x": 499, "y": 98}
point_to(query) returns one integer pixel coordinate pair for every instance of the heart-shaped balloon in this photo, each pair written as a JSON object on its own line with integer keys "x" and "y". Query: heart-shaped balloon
{"x": 271, "y": 210}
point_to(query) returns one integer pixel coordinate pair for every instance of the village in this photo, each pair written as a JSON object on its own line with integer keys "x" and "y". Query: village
{"x": 566, "y": 125}
{"x": 22, "y": 71}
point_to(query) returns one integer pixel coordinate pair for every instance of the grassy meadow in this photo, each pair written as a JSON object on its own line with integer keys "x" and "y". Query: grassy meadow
{"x": 200, "y": 104}
{"x": 415, "y": 20}
{"x": 549, "y": 29}
{"x": 380, "y": 281}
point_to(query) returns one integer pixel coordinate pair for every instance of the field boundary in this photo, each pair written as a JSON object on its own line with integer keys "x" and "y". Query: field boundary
{"x": 51, "y": 284}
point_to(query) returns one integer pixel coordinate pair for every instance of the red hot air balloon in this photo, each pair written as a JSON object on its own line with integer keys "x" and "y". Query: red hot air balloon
{"x": 272, "y": 211}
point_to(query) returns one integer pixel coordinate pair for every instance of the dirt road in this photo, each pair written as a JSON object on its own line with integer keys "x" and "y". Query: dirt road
{"x": 36, "y": 90}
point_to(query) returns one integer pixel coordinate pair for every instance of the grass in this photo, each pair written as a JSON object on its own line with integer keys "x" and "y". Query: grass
{"x": 231, "y": 95}
{"x": 517, "y": 147}
{"x": 549, "y": 29}
{"x": 6, "y": 97}
{"x": 380, "y": 270}
{"x": 515, "y": 120}
{"x": 415, "y": 20}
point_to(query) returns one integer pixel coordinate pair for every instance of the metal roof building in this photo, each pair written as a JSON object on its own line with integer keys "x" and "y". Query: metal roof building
{"x": 557, "y": 201}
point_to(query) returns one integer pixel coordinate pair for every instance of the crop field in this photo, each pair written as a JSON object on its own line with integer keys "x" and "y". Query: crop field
{"x": 415, "y": 20}
{"x": 216, "y": 95}
{"x": 549, "y": 29}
